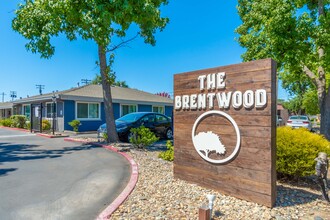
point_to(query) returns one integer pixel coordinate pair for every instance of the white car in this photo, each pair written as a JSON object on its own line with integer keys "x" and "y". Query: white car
{"x": 299, "y": 121}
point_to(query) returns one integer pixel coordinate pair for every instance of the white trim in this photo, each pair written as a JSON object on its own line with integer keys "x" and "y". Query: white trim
{"x": 158, "y": 106}
{"x": 52, "y": 108}
{"x": 87, "y": 119}
{"x": 121, "y": 111}
{"x": 238, "y": 137}
{"x": 23, "y": 105}
{"x": 115, "y": 100}
{"x": 24, "y": 113}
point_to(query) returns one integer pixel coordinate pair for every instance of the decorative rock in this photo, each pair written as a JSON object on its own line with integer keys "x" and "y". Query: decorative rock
{"x": 158, "y": 195}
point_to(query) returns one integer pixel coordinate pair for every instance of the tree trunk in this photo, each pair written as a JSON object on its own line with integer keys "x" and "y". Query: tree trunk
{"x": 325, "y": 116}
{"x": 323, "y": 96}
{"x": 107, "y": 99}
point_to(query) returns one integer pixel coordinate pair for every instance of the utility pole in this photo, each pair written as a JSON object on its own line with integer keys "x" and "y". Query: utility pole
{"x": 85, "y": 81}
{"x": 40, "y": 87}
{"x": 13, "y": 94}
{"x": 3, "y": 96}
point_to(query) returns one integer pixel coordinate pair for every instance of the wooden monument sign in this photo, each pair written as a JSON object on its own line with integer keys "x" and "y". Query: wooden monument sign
{"x": 225, "y": 129}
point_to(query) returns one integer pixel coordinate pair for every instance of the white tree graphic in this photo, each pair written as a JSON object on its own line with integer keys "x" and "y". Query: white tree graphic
{"x": 208, "y": 142}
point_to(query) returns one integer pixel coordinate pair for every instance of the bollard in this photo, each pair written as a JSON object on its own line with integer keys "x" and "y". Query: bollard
{"x": 204, "y": 213}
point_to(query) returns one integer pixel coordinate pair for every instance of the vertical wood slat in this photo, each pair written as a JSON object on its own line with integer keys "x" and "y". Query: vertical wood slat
{"x": 254, "y": 124}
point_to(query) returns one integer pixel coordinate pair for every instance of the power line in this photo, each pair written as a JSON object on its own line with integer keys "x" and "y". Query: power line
{"x": 13, "y": 94}
{"x": 3, "y": 96}
{"x": 85, "y": 81}
{"x": 40, "y": 87}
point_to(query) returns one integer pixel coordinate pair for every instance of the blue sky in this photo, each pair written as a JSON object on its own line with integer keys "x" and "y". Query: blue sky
{"x": 199, "y": 35}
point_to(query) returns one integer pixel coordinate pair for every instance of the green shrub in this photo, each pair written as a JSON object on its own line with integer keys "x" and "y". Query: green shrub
{"x": 18, "y": 121}
{"x": 75, "y": 125}
{"x": 45, "y": 125}
{"x": 169, "y": 154}
{"x": 142, "y": 137}
{"x": 28, "y": 125}
{"x": 296, "y": 151}
{"x": 105, "y": 136}
{"x": 7, "y": 122}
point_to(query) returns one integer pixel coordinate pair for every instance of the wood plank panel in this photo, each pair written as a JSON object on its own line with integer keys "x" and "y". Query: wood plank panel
{"x": 233, "y": 189}
{"x": 251, "y": 174}
{"x": 240, "y": 183}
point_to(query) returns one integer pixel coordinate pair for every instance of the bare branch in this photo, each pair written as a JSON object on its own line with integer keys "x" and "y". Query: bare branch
{"x": 310, "y": 74}
{"x": 122, "y": 44}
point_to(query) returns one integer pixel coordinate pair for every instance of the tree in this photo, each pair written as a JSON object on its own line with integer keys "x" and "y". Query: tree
{"x": 297, "y": 35}
{"x": 309, "y": 102}
{"x": 297, "y": 85}
{"x": 294, "y": 105}
{"x": 99, "y": 21}
{"x": 98, "y": 80}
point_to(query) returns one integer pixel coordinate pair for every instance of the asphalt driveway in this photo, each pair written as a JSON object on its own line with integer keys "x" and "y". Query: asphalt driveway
{"x": 44, "y": 178}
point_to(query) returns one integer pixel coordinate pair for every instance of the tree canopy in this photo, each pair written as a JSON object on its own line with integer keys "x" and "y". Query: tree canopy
{"x": 100, "y": 21}
{"x": 113, "y": 82}
{"x": 297, "y": 35}
{"x": 97, "y": 20}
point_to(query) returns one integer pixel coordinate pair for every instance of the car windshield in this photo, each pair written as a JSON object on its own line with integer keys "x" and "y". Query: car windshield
{"x": 131, "y": 117}
{"x": 298, "y": 117}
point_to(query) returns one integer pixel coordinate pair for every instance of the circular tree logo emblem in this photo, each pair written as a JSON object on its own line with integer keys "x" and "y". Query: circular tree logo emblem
{"x": 209, "y": 142}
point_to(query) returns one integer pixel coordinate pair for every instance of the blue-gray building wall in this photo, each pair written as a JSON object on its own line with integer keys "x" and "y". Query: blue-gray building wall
{"x": 169, "y": 111}
{"x": 69, "y": 113}
{"x": 86, "y": 125}
{"x": 116, "y": 110}
{"x": 93, "y": 125}
{"x": 144, "y": 108}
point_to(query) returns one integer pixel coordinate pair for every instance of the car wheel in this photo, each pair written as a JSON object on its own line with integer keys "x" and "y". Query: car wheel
{"x": 169, "y": 133}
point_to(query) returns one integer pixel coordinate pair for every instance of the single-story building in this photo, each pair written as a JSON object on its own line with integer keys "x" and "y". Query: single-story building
{"x": 6, "y": 109}
{"x": 85, "y": 104}
{"x": 283, "y": 114}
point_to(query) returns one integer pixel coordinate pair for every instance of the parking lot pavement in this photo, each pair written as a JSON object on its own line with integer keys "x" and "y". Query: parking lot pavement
{"x": 43, "y": 178}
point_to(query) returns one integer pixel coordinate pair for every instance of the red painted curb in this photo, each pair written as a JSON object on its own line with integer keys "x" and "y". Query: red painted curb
{"x": 16, "y": 129}
{"x": 44, "y": 135}
{"x": 126, "y": 192}
{"x": 107, "y": 212}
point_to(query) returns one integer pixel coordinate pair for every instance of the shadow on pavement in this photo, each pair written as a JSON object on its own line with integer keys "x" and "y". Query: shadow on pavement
{"x": 17, "y": 152}
{"x": 3, "y": 172}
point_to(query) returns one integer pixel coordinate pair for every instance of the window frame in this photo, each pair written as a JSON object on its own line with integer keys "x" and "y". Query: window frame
{"x": 161, "y": 115}
{"x": 88, "y": 119}
{"x": 24, "y": 112}
{"x": 158, "y": 106}
{"x": 46, "y": 112}
{"x": 121, "y": 108}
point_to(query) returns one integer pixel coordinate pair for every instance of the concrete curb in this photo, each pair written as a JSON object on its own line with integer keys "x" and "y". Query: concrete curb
{"x": 106, "y": 213}
{"x": 51, "y": 136}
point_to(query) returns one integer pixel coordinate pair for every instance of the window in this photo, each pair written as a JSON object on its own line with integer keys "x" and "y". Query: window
{"x": 27, "y": 111}
{"x": 161, "y": 118}
{"x": 50, "y": 109}
{"x": 88, "y": 110}
{"x": 148, "y": 118}
{"x": 126, "y": 109}
{"x": 158, "y": 109}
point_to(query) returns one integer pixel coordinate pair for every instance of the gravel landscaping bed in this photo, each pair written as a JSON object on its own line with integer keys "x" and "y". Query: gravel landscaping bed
{"x": 158, "y": 195}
